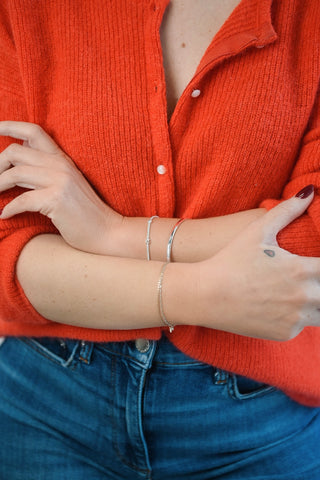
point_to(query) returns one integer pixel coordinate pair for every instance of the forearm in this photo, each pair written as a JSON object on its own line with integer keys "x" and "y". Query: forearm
{"x": 251, "y": 287}
{"x": 194, "y": 241}
{"x": 60, "y": 191}
{"x": 69, "y": 286}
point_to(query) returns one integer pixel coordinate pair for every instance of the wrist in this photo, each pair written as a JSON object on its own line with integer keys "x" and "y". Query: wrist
{"x": 112, "y": 235}
{"x": 194, "y": 294}
{"x": 127, "y": 238}
{"x": 181, "y": 293}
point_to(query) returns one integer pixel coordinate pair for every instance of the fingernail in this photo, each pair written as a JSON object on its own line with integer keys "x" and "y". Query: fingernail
{"x": 305, "y": 192}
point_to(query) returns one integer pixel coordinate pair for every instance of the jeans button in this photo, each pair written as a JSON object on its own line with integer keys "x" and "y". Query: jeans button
{"x": 142, "y": 344}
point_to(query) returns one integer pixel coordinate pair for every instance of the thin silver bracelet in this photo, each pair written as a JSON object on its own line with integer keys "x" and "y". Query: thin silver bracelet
{"x": 170, "y": 242}
{"x": 160, "y": 302}
{"x": 148, "y": 239}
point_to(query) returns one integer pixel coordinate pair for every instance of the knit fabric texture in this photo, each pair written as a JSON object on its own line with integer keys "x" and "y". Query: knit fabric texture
{"x": 91, "y": 74}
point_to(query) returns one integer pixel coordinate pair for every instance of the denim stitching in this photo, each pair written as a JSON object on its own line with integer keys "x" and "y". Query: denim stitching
{"x": 86, "y": 352}
{"x": 186, "y": 364}
{"x": 260, "y": 392}
{"x": 115, "y": 426}
{"x": 44, "y": 352}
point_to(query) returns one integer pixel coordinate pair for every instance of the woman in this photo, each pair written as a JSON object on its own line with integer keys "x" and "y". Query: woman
{"x": 107, "y": 370}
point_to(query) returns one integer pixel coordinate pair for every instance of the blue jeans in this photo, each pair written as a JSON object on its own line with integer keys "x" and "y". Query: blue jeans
{"x": 143, "y": 410}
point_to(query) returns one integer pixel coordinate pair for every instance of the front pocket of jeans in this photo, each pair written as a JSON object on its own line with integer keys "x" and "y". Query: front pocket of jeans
{"x": 242, "y": 388}
{"x": 59, "y": 351}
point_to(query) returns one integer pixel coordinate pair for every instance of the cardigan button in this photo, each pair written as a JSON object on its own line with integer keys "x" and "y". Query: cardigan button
{"x": 195, "y": 93}
{"x": 161, "y": 169}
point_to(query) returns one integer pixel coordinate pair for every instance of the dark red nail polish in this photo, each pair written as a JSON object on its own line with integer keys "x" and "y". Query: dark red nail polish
{"x": 305, "y": 192}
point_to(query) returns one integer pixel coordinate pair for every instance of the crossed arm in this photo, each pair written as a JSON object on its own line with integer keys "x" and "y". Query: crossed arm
{"x": 221, "y": 272}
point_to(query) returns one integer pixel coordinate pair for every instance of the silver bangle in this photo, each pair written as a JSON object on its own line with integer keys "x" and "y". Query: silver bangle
{"x": 160, "y": 302}
{"x": 170, "y": 242}
{"x": 148, "y": 239}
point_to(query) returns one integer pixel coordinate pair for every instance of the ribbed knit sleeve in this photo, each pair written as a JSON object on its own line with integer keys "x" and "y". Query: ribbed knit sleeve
{"x": 303, "y": 235}
{"x": 15, "y": 232}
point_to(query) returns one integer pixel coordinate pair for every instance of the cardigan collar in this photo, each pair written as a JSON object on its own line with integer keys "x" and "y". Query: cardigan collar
{"x": 249, "y": 25}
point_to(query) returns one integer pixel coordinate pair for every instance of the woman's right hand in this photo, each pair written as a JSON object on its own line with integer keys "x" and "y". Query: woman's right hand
{"x": 253, "y": 287}
{"x": 55, "y": 187}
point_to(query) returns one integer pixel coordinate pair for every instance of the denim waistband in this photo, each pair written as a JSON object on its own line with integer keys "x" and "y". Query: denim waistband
{"x": 149, "y": 351}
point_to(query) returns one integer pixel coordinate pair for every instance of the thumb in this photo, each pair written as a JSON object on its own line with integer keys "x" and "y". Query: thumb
{"x": 280, "y": 216}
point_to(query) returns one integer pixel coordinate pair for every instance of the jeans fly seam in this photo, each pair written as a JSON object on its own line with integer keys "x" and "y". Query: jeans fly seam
{"x": 115, "y": 426}
{"x": 140, "y": 418}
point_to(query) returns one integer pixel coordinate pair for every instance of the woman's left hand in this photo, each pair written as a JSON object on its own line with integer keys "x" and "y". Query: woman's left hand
{"x": 56, "y": 188}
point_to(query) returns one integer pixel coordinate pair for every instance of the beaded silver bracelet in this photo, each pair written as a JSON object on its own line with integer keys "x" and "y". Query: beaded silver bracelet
{"x": 170, "y": 242}
{"x": 148, "y": 238}
{"x": 160, "y": 301}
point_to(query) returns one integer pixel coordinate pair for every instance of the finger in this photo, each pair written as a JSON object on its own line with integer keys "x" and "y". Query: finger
{"x": 283, "y": 214}
{"x": 16, "y": 154}
{"x": 31, "y": 201}
{"x": 25, "y": 177}
{"x": 31, "y": 133}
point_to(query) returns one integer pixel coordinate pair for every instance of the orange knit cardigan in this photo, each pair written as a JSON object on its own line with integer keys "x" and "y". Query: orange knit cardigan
{"x": 91, "y": 74}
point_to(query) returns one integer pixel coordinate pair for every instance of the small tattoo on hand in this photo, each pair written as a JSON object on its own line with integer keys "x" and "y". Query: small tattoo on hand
{"x": 270, "y": 253}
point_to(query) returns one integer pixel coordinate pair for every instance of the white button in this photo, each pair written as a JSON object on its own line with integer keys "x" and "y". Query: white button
{"x": 195, "y": 93}
{"x": 161, "y": 169}
{"x": 142, "y": 344}
{"x": 260, "y": 46}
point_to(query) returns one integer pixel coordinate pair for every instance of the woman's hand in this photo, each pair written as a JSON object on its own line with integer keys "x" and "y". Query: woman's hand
{"x": 253, "y": 287}
{"x": 56, "y": 188}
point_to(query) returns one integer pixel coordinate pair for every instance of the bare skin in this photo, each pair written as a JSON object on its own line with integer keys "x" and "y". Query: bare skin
{"x": 186, "y": 31}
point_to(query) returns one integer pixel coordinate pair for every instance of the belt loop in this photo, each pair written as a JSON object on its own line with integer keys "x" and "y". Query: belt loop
{"x": 221, "y": 377}
{"x": 85, "y": 352}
